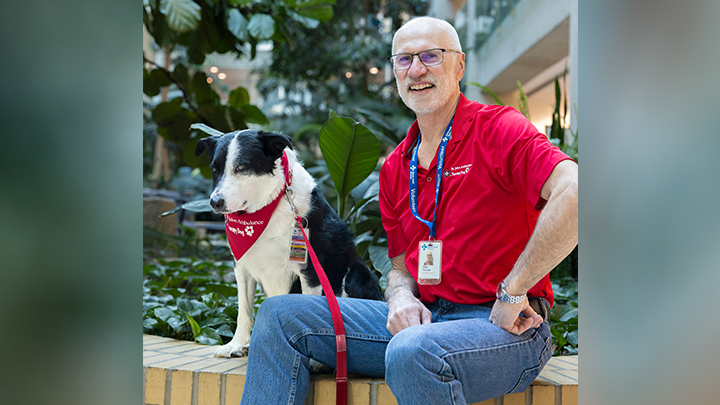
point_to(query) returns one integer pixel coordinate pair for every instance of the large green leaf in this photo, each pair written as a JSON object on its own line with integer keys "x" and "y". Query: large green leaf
{"x": 208, "y": 336}
{"x": 194, "y": 325}
{"x": 573, "y": 313}
{"x": 176, "y": 128}
{"x": 254, "y": 115}
{"x": 572, "y": 338}
{"x": 261, "y": 26}
{"x": 150, "y": 86}
{"x": 379, "y": 258}
{"x": 237, "y": 24}
{"x": 164, "y": 313}
{"x": 351, "y": 152}
{"x": 182, "y": 15}
{"x": 239, "y": 98}
{"x": 164, "y": 112}
{"x": 160, "y": 77}
{"x": 201, "y": 89}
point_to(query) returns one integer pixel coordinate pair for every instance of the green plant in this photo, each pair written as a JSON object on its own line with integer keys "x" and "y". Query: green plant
{"x": 191, "y": 299}
{"x": 558, "y": 130}
{"x": 187, "y": 31}
{"x": 564, "y": 316}
{"x": 351, "y": 153}
{"x": 522, "y": 99}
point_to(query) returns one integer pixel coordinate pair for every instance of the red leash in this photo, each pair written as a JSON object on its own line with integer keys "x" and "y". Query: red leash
{"x": 340, "y": 341}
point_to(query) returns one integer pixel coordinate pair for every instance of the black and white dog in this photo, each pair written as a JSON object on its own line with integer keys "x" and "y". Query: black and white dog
{"x": 248, "y": 175}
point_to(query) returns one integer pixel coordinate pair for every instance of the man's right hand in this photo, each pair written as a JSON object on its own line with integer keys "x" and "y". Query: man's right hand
{"x": 404, "y": 311}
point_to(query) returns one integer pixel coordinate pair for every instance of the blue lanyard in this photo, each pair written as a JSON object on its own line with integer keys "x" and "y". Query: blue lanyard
{"x": 413, "y": 178}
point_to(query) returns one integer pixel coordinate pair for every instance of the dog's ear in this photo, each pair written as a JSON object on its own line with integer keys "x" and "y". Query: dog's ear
{"x": 206, "y": 143}
{"x": 273, "y": 144}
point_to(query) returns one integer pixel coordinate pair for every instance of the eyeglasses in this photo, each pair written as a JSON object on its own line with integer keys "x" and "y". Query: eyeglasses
{"x": 430, "y": 57}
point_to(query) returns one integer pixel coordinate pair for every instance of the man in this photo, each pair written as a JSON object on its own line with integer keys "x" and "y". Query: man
{"x": 442, "y": 337}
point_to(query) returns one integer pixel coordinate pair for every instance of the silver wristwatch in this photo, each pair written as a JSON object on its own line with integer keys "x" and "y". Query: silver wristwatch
{"x": 503, "y": 296}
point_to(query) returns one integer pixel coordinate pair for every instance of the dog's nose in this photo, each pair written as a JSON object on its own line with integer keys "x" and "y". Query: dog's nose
{"x": 217, "y": 202}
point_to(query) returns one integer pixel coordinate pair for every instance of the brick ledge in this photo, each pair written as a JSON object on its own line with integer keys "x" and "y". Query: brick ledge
{"x": 185, "y": 373}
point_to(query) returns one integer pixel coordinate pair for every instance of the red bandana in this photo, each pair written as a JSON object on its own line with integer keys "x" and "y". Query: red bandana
{"x": 244, "y": 229}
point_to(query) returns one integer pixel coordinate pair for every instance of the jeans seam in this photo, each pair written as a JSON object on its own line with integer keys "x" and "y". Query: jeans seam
{"x": 445, "y": 367}
{"x": 294, "y": 379}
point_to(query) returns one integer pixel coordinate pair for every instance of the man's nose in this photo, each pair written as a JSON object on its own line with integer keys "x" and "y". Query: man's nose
{"x": 416, "y": 68}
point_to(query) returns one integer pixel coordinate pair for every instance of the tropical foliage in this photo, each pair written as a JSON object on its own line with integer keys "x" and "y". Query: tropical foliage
{"x": 187, "y": 31}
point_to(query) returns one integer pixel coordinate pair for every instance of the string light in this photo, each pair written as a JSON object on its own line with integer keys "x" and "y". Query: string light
{"x": 214, "y": 69}
{"x": 222, "y": 76}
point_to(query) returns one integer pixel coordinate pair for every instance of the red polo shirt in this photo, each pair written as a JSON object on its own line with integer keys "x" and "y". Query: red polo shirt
{"x": 495, "y": 165}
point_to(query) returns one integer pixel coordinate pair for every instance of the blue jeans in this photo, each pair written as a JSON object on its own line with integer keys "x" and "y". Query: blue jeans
{"x": 459, "y": 358}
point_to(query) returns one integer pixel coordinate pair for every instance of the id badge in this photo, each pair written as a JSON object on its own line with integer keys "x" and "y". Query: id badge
{"x": 298, "y": 247}
{"x": 430, "y": 262}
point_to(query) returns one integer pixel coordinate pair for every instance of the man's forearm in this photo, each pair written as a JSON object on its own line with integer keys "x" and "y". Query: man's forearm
{"x": 399, "y": 279}
{"x": 555, "y": 236}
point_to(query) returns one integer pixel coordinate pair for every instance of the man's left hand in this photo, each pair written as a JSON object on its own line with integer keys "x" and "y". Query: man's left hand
{"x": 507, "y": 316}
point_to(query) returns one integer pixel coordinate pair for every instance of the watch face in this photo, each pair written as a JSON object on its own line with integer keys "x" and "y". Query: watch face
{"x": 499, "y": 293}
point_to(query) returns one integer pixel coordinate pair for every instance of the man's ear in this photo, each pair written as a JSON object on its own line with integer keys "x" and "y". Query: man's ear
{"x": 461, "y": 68}
{"x": 206, "y": 143}
{"x": 273, "y": 144}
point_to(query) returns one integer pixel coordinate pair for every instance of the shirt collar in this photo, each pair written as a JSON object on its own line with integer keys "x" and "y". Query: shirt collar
{"x": 464, "y": 113}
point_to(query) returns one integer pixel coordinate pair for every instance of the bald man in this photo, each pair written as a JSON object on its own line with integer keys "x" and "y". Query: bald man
{"x": 494, "y": 203}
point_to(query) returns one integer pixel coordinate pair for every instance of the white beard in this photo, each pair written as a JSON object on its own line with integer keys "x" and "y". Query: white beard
{"x": 436, "y": 98}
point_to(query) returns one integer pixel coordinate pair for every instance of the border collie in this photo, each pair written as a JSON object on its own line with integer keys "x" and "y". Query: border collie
{"x": 248, "y": 174}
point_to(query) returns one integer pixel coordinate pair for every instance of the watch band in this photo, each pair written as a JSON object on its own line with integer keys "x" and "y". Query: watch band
{"x": 503, "y": 296}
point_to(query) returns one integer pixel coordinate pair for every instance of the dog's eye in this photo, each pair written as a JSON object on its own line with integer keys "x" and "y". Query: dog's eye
{"x": 240, "y": 168}
{"x": 213, "y": 169}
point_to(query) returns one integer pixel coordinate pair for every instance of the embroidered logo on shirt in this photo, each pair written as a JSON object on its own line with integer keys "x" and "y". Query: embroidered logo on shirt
{"x": 458, "y": 170}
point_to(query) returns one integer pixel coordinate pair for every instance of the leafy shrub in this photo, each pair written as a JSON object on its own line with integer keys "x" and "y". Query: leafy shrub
{"x": 564, "y": 316}
{"x": 191, "y": 299}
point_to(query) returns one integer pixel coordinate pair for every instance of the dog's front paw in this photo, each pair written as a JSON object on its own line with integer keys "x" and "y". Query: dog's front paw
{"x": 232, "y": 350}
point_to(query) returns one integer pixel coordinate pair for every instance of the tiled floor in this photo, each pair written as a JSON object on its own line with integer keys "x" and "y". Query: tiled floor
{"x": 185, "y": 373}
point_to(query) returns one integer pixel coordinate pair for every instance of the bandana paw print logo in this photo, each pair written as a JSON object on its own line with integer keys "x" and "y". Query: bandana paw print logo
{"x": 249, "y": 230}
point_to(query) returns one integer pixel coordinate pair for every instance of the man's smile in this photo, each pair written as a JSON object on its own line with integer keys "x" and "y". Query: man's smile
{"x": 421, "y": 86}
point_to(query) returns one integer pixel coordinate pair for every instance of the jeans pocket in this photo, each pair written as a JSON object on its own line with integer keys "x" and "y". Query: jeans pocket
{"x": 529, "y": 375}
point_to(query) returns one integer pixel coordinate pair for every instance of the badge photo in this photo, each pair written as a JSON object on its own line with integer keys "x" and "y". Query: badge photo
{"x": 430, "y": 262}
